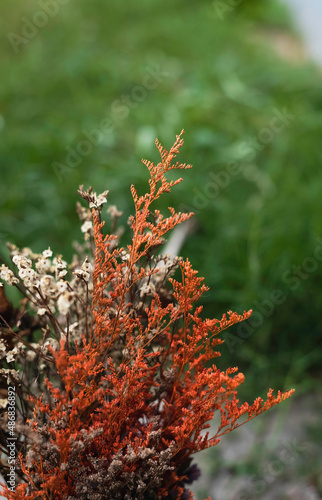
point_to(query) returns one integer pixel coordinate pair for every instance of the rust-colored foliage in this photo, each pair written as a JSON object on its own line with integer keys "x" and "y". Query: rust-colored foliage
{"x": 138, "y": 391}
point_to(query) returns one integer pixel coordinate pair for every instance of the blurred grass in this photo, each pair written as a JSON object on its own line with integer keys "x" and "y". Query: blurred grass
{"x": 224, "y": 80}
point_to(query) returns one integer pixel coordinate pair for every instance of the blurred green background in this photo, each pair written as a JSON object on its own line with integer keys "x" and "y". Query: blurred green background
{"x": 135, "y": 71}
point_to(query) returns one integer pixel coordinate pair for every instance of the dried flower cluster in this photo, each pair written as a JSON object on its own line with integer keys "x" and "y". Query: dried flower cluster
{"x": 111, "y": 361}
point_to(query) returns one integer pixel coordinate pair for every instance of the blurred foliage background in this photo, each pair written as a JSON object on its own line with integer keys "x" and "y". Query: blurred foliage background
{"x": 221, "y": 77}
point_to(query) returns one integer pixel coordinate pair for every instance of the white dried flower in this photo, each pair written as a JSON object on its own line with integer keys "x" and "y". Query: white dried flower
{"x": 47, "y": 253}
{"x": 11, "y": 355}
{"x": 61, "y": 286}
{"x": 3, "y": 403}
{"x": 60, "y": 267}
{"x": 43, "y": 265}
{"x": 2, "y": 345}
{"x": 46, "y": 281}
{"x": 98, "y": 200}
{"x": 41, "y": 311}
{"x": 64, "y": 303}
{"x": 73, "y": 327}
{"x": 10, "y": 374}
{"x": 51, "y": 342}
{"x": 82, "y": 274}
{"x": 125, "y": 255}
{"x": 87, "y": 226}
{"x": 8, "y": 276}
{"x": 147, "y": 289}
{"x": 61, "y": 274}
{"x": 114, "y": 212}
{"x": 87, "y": 266}
{"x": 21, "y": 261}
{"x": 27, "y": 252}
{"x": 59, "y": 262}
{"x": 16, "y": 259}
{"x": 22, "y": 273}
{"x": 31, "y": 279}
{"x": 30, "y": 355}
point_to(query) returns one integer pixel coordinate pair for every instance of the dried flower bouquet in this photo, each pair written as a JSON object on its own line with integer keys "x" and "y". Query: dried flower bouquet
{"x": 111, "y": 361}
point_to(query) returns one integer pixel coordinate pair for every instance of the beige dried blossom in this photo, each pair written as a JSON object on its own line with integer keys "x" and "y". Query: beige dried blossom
{"x": 87, "y": 266}
{"x": 11, "y": 355}
{"x": 47, "y": 253}
{"x": 80, "y": 273}
{"x": 31, "y": 278}
{"x": 46, "y": 281}
{"x": 41, "y": 311}
{"x": 21, "y": 261}
{"x": 87, "y": 226}
{"x": 61, "y": 286}
{"x": 8, "y": 276}
{"x": 147, "y": 288}
{"x": 30, "y": 355}
{"x": 84, "y": 213}
{"x": 114, "y": 212}
{"x": 2, "y": 345}
{"x": 10, "y": 374}
{"x": 64, "y": 302}
{"x": 125, "y": 255}
{"x": 43, "y": 265}
{"x": 60, "y": 268}
{"x": 85, "y": 271}
{"x": 98, "y": 200}
{"x": 94, "y": 200}
{"x": 51, "y": 342}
